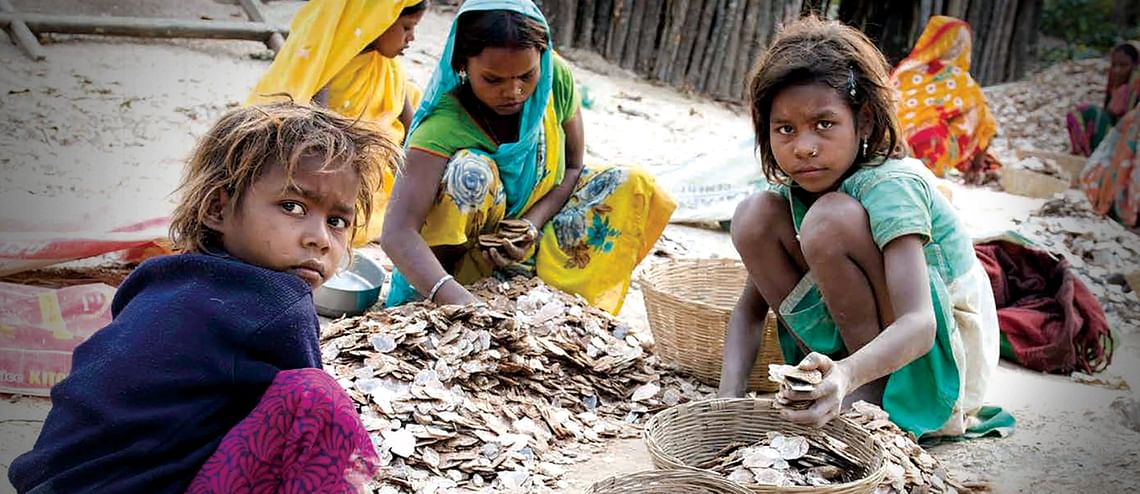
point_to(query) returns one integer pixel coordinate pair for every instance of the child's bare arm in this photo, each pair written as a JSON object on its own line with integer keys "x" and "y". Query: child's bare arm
{"x": 912, "y": 334}
{"x": 742, "y": 341}
{"x": 909, "y": 337}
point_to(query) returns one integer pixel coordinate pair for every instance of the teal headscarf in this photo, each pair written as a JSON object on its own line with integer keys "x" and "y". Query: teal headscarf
{"x": 517, "y": 161}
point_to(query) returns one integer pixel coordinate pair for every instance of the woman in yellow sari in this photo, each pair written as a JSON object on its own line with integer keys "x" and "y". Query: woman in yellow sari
{"x": 499, "y": 136}
{"x": 341, "y": 54}
{"x": 942, "y": 111}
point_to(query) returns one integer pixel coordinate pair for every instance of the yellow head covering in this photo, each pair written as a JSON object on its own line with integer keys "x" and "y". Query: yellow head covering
{"x": 324, "y": 49}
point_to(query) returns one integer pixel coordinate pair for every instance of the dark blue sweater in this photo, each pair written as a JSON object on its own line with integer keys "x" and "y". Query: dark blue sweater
{"x": 194, "y": 343}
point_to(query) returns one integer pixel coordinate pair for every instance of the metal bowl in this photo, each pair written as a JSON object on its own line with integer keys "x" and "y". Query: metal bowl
{"x": 353, "y": 291}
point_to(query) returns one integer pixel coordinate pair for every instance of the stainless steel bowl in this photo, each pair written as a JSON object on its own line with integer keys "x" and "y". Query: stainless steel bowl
{"x": 353, "y": 291}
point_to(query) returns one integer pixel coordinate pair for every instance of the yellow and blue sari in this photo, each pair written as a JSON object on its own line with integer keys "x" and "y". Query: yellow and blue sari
{"x": 591, "y": 246}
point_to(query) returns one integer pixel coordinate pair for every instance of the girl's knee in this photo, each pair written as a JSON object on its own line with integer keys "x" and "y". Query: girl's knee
{"x": 756, "y": 216}
{"x": 469, "y": 177}
{"x": 833, "y": 224}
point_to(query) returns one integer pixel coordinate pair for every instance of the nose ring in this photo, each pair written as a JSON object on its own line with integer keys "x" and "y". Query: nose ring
{"x": 814, "y": 152}
{"x": 518, "y": 90}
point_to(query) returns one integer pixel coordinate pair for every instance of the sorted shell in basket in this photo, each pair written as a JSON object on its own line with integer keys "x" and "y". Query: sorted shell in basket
{"x": 783, "y": 460}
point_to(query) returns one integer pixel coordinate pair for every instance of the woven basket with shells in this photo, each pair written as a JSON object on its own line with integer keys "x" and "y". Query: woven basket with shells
{"x": 748, "y": 442}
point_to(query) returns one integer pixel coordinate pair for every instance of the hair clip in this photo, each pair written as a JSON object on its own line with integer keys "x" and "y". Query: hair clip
{"x": 851, "y": 82}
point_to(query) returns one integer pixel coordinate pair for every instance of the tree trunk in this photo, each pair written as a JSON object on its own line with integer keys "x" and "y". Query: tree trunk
{"x": 1002, "y": 66}
{"x": 995, "y": 42}
{"x": 648, "y": 48}
{"x": 700, "y": 82}
{"x": 689, "y": 33}
{"x": 725, "y": 86}
{"x": 635, "y": 19}
{"x": 955, "y": 8}
{"x": 749, "y": 34}
{"x": 672, "y": 19}
{"x": 562, "y": 16}
{"x": 700, "y": 43}
{"x": 674, "y": 42}
{"x": 602, "y": 14}
{"x": 792, "y": 9}
{"x": 619, "y": 30}
{"x": 584, "y": 38}
{"x": 764, "y": 28}
{"x": 925, "y": 8}
{"x": 1020, "y": 43}
{"x": 816, "y": 7}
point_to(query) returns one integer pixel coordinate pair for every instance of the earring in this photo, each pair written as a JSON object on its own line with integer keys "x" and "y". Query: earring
{"x": 864, "y": 146}
{"x": 462, "y": 77}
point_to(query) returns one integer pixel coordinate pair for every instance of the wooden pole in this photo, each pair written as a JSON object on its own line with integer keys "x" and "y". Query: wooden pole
{"x": 143, "y": 27}
{"x": 602, "y": 15}
{"x": 764, "y": 30}
{"x": 956, "y": 8}
{"x": 568, "y": 18}
{"x": 714, "y": 51}
{"x": 994, "y": 42}
{"x": 729, "y": 42}
{"x": 748, "y": 39}
{"x": 584, "y": 38}
{"x": 22, "y": 36}
{"x": 925, "y": 9}
{"x": 619, "y": 30}
{"x": 704, "y": 34}
{"x": 689, "y": 29}
{"x": 253, "y": 11}
{"x": 1008, "y": 30}
{"x": 706, "y": 67}
{"x": 647, "y": 47}
{"x": 635, "y": 18}
{"x": 670, "y": 39}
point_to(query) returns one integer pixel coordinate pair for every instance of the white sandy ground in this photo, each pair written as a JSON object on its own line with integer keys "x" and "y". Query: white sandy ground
{"x": 96, "y": 136}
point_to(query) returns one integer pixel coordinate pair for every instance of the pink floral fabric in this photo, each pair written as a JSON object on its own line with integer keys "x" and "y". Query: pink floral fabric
{"x": 304, "y": 436}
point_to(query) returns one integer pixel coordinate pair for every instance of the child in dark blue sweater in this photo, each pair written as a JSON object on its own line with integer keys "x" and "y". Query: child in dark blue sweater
{"x": 209, "y": 377}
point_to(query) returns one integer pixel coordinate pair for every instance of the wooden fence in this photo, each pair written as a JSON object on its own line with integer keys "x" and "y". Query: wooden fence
{"x": 708, "y": 46}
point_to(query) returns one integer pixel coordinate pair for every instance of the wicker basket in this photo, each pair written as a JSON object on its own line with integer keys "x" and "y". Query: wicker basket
{"x": 689, "y": 302}
{"x": 693, "y": 433}
{"x": 667, "y": 482}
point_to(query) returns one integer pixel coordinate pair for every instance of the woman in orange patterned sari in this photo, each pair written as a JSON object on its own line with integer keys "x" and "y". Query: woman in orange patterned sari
{"x": 1111, "y": 177}
{"x": 942, "y": 111}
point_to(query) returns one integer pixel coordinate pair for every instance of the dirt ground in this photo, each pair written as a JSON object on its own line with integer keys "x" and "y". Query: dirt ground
{"x": 96, "y": 136}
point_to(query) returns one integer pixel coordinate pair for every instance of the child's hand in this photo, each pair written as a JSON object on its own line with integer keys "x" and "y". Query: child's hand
{"x": 827, "y": 396}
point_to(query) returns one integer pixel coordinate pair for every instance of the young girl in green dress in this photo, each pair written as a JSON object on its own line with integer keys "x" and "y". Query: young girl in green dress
{"x": 869, "y": 269}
